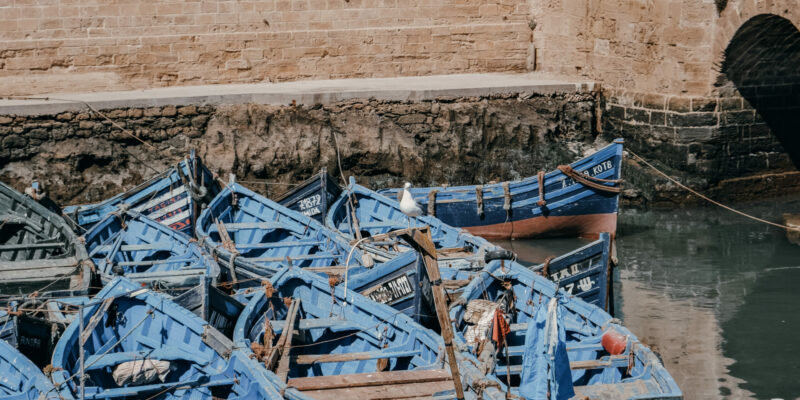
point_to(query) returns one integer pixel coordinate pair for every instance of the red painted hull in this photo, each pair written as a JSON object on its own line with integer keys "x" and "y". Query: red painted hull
{"x": 586, "y": 226}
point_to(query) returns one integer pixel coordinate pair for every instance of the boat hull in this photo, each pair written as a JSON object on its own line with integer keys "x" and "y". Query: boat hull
{"x": 516, "y": 210}
{"x": 586, "y": 226}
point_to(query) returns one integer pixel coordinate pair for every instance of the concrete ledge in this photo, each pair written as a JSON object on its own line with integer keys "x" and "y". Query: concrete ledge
{"x": 304, "y": 92}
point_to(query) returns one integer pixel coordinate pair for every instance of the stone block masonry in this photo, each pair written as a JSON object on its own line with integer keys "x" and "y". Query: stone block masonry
{"x": 80, "y": 157}
{"x": 709, "y": 142}
{"x": 82, "y": 45}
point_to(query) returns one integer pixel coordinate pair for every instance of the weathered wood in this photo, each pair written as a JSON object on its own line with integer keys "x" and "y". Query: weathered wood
{"x": 451, "y": 284}
{"x": 370, "y": 379}
{"x": 98, "y": 315}
{"x": 306, "y": 359}
{"x": 620, "y": 361}
{"x": 37, "y": 264}
{"x": 336, "y": 269}
{"x": 286, "y": 340}
{"x": 420, "y": 239}
{"x": 317, "y": 323}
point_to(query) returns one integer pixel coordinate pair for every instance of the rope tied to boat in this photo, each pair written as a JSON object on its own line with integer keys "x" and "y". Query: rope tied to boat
{"x": 506, "y": 196}
{"x": 479, "y": 199}
{"x": 545, "y": 271}
{"x": 432, "y": 202}
{"x": 540, "y": 182}
{"x": 706, "y": 198}
{"x": 590, "y": 181}
{"x": 121, "y": 217}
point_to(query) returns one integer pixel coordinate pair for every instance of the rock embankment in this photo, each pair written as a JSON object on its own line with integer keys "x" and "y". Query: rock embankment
{"x": 83, "y": 157}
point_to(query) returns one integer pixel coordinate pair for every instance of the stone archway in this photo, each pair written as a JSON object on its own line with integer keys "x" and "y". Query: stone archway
{"x": 762, "y": 61}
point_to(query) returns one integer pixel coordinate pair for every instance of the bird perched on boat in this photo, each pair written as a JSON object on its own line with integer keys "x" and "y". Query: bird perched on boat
{"x": 408, "y": 206}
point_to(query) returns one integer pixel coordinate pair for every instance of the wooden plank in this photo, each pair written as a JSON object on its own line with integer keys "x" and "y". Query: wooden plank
{"x": 299, "y": 257}
{"x": 305, "y": 359}
{"x": 424, "y": 390}
{"x": 316, "y": 323}
{"x": 285, "y": 340}
{"x": 30, "y": 246}
{"x": 292, "y": 243}
{"x": 620, "y": 361}
{"x": 370, "y": 379}
{"x": 98, "y": 315}
{"x": 36, "y": 264}
{"x": 420, "y": 239}
{"x": 337, "y": 270}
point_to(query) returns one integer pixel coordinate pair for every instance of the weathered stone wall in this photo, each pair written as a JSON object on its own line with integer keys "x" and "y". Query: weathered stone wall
{"x": 81, "y": 157}
{"x": 86, "y": 45}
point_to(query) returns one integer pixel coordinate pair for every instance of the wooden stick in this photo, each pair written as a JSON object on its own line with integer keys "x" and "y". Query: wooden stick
{"x": 285, "y": 341}
{"x": 420, "y": 239}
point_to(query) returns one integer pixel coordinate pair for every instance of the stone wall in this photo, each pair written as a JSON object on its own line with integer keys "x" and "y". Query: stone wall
{"x": 86, "y": 45}
{"x": 81, "y": 157}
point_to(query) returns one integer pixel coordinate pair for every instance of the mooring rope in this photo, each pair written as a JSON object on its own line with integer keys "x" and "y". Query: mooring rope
{"x": 706, "y": 198}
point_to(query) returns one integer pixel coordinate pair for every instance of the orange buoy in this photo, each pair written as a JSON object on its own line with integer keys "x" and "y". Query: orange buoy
{"x": 614, "y": 342}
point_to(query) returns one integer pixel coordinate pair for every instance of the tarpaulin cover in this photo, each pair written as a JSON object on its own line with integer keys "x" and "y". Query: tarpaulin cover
{"x": 545, "y": 362}
{"x": 140, "y": 372}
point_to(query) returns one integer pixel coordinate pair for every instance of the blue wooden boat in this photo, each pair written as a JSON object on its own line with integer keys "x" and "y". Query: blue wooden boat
{"x": 141, "y": 249}
{"x": 346, "y": 345}
{"x": 173, "y": 198}
{"x": 580, "y": 199}
{"x": 360, "y": 213}
{"x": 553, "y": 343}
{"x": 139, "y": 344}
{"x": 585, "y": 273}
{"x": 262, "y": 236}
{"x": 21, "y": 379}
{"x": 313, "y": 196}
{"x": 39, "y": 253}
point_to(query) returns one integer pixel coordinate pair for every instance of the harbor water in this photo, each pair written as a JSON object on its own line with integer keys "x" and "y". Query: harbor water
{"x": 715, "y": 294}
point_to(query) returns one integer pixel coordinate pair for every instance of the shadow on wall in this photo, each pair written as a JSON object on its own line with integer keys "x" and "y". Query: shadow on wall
{"x": 763, "y": 62}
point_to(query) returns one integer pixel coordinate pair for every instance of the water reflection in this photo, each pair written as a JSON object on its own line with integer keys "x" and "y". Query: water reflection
{"x": 714, "y": 293}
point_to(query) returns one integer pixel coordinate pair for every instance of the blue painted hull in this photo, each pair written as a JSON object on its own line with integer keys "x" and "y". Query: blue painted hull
{"x": 585, "y": 273}
{"x": 632, "y": 372}
{"x": 21, "y": 378}
{"x": 331, "y": 322}
{"x": 141, "y": 249}
{"x": 132, "y": 324}
{"x": 172, "y": 198}
{"x": 266, "y": 237}
{"x": 571, "y": 209}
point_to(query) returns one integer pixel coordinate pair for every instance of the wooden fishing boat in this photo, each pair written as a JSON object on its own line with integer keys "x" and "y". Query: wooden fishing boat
{"x": 585, "y": 273}
{"x": 534, "y": 341}
{"x": 39, "y": 253}
{"x": 138, "y": 344}
{"x": 361, "y": 213}
{"x": 173, "y": 198}
{"x": 240, "y": 225}
{"x": 345, "y": 346}
{"x": 21, "y": 379}
{"x": 580, "y": 199}
{"x": 142, "y": 249}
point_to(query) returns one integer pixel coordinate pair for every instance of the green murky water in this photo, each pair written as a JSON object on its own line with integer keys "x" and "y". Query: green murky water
{"x": 716, "y": 294}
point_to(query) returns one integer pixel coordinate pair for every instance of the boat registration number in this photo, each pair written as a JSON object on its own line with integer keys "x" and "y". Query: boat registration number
{"x": 310, "y": 205}
{"x": 390, "y": 291}
{"x": 593, "y": 171}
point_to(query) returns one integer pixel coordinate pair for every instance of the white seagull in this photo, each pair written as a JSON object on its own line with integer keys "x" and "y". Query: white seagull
{"x": 408, "y": 206}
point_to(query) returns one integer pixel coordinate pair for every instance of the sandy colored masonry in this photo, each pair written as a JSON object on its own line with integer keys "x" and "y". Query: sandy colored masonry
{"x": 671, "y": 47}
